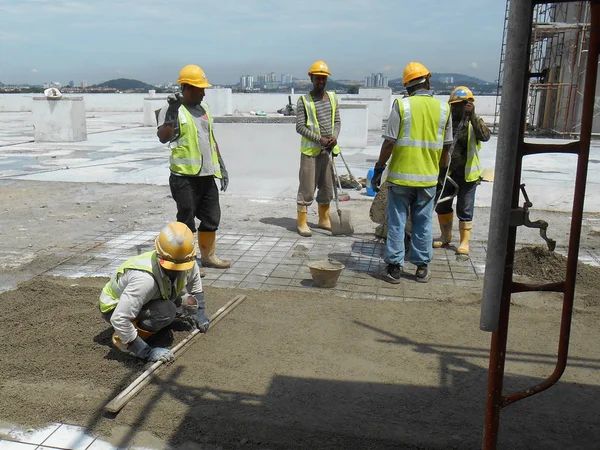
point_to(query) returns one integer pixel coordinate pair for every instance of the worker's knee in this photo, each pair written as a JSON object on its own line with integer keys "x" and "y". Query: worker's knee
{"x": 156, "y": 315}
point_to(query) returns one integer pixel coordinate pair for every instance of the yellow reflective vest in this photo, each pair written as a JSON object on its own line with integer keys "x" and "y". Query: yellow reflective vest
{"x": 307, "y": 146}
{"x": 146, "y": 262}
{"x": 418, "y": 149}
{"x": 186, "y": 157}
{"x": 473, "y": 170}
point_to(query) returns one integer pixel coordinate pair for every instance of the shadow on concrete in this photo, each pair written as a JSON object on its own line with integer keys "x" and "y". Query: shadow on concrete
{"x": 288, "y": 223}
{"x": 313, "y": 413}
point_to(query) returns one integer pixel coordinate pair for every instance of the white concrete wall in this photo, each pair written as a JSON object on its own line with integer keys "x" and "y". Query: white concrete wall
{"x": 220, "y": 101}
{"x": 355, "y": 124}
{"x": 150, "y": 107}
{"x": 375, "y": 109}
{"x": 385, "y": 94}
{"x": 61, "y": 120}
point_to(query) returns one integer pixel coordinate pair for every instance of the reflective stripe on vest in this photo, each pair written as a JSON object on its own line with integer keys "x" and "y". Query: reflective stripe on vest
{"x": 146, "y": 262}
{"x": 307, "y": 146}
{"x": 473, "y": 170}
{"x": 418, "y": 148}
{"x": 186, "y": 157}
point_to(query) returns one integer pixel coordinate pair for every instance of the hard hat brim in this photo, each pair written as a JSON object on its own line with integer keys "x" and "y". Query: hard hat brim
{"x": 170, "y": 265}
{"x": 198, "y": 85}
{"x": 319, "y": 73}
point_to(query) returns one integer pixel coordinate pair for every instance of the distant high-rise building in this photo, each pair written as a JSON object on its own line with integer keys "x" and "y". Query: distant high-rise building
{"x": 376, "y": 80}
{"x": 84, "y": 84}
{"x": 286, "y": 78}
{"x": 247, "y": 81}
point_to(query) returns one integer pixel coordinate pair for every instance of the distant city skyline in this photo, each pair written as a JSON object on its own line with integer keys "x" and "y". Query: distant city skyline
{"x": 43, "y": 41}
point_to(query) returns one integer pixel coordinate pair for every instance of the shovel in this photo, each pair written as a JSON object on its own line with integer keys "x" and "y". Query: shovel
{"x": 357, "y": 185}
{"x": 341, "y": 222}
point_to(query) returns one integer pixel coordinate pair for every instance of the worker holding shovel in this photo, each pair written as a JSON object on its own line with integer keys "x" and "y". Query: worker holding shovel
{"x": 145, "y": 293}
{"x": 318, "y": 122}
{"x": 465, "y": 170}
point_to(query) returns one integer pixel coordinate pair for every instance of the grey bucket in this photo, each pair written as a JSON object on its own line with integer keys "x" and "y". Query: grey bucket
{"x": 325, "y": 273}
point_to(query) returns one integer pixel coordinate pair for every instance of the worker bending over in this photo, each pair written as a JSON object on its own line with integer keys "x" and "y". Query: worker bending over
{"x": 143, "y": 295}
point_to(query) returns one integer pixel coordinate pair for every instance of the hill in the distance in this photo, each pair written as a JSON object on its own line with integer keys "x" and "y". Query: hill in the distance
{"x": 124, "y": 84}
{"x": 440, "y": 79}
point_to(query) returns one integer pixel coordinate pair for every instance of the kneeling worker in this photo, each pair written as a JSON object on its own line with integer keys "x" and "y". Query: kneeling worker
{"x": 140, "y": 298}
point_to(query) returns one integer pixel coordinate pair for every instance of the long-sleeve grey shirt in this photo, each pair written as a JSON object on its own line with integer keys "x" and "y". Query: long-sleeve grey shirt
{"x": 323, "y": 110}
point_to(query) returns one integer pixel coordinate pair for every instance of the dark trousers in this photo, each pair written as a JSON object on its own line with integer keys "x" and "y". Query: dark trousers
{"x": 196, "y": 197}
{"x": 154, "y": 316}
{"x": 465, "y": 200}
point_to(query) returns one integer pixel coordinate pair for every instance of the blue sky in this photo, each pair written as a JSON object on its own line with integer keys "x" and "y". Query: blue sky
{"x": 150, "y": 40}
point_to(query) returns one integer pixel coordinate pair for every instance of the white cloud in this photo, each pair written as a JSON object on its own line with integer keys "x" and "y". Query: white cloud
{"x": 34, "y": 70}
{"x": 474, "y": 65}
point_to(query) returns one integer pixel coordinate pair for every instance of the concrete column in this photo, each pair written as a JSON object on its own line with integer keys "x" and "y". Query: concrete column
{"x": 151, "y": 104}
{"x": 59, "y": 120}
{"x": 385, "y": 94}
{"x": 375, "y": 109}
{"x": 220, "y": 101}
{"x": 355, "y": 124}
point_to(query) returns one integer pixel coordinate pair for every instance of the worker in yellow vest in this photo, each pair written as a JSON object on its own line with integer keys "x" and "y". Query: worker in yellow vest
{"x": 418, "y": 137}
{"x": 465, "y": 170}
{"x": 187, "y": 125}
{"x": 318, "y": 122}
{"x": 146, "y": 293}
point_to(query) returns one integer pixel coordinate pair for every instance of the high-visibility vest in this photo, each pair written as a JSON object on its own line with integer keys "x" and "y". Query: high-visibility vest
{"x": 473, "y": 170}
{"x": 418, "y": 149}
{"x": 307, "y": 146}
{"x": 146, "y": 262}
{"x": 186, "y": 157}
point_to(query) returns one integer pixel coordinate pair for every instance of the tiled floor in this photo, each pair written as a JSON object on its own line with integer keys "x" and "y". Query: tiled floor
{"x": 55, "y": 436}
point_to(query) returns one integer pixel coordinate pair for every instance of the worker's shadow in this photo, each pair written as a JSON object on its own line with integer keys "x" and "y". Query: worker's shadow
{"x": 288, "y": 223}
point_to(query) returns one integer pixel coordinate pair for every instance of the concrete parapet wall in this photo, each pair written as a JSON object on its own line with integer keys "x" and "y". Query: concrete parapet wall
{"x": 355, "y": 124}
{"x": 59, "y": 120}
{"x": 375, "y": 109}
{"x": 385, "y": 94}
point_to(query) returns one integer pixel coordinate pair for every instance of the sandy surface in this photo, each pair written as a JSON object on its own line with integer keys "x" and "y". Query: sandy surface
{"x": 285, "y": 369}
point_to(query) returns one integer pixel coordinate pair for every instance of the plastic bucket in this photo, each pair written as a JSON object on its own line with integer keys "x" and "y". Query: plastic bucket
{"x": 325, "y": 273}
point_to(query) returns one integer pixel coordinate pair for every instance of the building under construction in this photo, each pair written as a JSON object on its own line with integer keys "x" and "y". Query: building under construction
{"x": 558, "y": 55}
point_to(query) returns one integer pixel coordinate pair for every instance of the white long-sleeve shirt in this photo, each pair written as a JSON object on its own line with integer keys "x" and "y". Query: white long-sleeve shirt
{"x": 139, "y": 288}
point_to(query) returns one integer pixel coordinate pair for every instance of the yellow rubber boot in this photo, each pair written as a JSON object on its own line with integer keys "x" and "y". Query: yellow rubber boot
{"x": 207, "y": 241}
{"x": 144, "y": 334}
{"x": 324, "y": 221}
{"x": 465, "y": 234}
{"x": 446, "y": 228}
{"x": 303, "y": 228}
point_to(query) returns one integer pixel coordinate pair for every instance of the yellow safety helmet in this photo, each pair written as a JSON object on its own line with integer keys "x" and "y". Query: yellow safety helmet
{"x": 176, "y": 247}
{"x": 461, "y": 94}
{"x": 194, "y": 76}
{"x": 413, "y": 73}
{"x": 319, "y": 68}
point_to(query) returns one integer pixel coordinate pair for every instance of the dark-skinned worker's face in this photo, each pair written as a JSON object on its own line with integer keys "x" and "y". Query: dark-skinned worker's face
{"x": 458, "y": 109}
{"x": 319, "y": 81}
{"x": 193, "y": 94}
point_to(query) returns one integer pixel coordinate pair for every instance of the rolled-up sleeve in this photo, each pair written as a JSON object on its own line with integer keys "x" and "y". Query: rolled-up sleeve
{"x": 193, "y": 282}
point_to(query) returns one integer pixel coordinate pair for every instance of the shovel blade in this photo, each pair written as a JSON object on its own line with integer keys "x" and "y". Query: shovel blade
{"x": 341, "y": 222}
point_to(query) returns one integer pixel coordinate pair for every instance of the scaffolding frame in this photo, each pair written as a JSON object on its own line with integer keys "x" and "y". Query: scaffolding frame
{"x": 559, "y": 39}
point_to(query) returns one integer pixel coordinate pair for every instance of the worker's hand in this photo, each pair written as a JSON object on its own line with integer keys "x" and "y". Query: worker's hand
{"x": 174, "y": 101}
{"x": 201, "y": 321}
{"x": 377, "y": 173}
{"x": 324, "y": 142}
{"x": 160, "y": 354}
{"x": 224, "y": 179}
{"x": 470, "y": 109}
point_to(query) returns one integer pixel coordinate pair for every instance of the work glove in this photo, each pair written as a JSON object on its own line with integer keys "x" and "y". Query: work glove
{"x": 224, "y": 175}
{"x": 142, "y": 350}
{"x": 200, "y": 319}
{"x": 377, "y": 173}
{"x": 174, "y": 101}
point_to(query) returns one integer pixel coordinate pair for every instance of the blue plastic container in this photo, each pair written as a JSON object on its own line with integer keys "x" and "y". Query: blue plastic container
{"x": 370, "y": 190}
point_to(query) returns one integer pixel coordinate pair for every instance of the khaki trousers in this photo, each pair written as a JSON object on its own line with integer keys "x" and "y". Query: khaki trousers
{"x": 315, "y": 173}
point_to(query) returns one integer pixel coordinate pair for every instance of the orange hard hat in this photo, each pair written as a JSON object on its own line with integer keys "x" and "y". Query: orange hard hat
{"x": 319, "y": 68}
{"x": 413, "y": 72}
{"x": 176, "y": 247}
{"x": 193, "y": 75}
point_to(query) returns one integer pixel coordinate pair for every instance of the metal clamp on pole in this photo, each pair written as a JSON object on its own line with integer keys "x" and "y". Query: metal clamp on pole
{"x": 520, "y": 216}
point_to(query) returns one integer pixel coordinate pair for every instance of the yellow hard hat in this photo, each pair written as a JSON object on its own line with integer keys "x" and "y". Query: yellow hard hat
{"x": 461, "y": 94}
{"x": 193, "y": 75}
{"x": 319, "y": 68}
{"x": 176, "y": 247}
{"x": 414, "y": 71}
